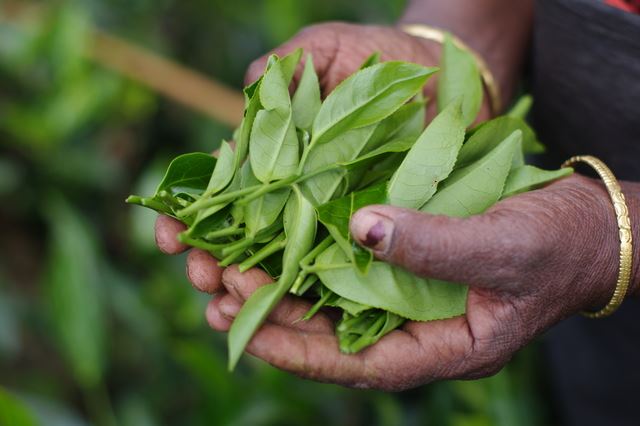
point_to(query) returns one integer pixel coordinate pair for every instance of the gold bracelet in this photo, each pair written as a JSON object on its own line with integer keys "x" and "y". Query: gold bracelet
{"x": 624, "y": 227}
{"x": 438, "y": 35}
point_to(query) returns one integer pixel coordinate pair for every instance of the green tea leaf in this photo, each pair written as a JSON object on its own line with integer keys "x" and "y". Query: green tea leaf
{"x": 223, "y": 172}
{"x": 335, "y": 216}
{"x": 488, "y": 135}
{"x": 342, "y": 149}
{"x": 526, "y": 178}
{"x": 289, "y": 64}
{"x": 253, "y": 105}
{"x": 521, "y": 108}
{"x": 371, "y": 60}
{"x": 306, "y": 101}
{"x": 429, "y": 161}
{"x": 300, "y": 228}
{"x": 364, "y": 329}
{"x": 406, "y": 122}
{"x": 390, "y": 288}
{"x": 263, "y": 211}
{"x": 367, "y": 97}
{"x": 477, "y": 187}
{"x": 188, "y": 173}
{"x": 274, "y": 144}
{"x": 459, "y": 77}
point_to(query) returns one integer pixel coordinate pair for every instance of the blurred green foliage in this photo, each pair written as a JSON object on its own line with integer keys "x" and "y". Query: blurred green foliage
{"x": 97, "y": 327}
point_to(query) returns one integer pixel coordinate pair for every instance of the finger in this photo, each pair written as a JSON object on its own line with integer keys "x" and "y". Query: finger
{"x": 167, "y": 230}
{"x": 216, "y": 319}
{"x": 203, "y": 271}
{"x": 401, "y": 360}
{"x": 309, "y": 41}
{"x": 478, "y": 250}
{"x": 289, "y": 310}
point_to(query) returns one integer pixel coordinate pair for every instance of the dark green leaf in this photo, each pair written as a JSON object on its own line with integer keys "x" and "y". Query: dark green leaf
{"x": 188, "y": 173}
{"x": 335, "y": 216}
{"x": 364, "y": 329}
{"x": 371, "y": 60}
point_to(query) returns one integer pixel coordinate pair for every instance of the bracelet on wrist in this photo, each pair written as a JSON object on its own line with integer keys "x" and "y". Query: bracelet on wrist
{"x": 624, "y": 232}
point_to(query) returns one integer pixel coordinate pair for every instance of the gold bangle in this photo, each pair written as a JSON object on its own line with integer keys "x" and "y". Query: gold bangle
{"x": 438, "y": 35}
{"x": 624, "y": 227}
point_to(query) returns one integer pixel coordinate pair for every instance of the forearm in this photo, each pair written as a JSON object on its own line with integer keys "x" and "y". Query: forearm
{"x": 498, "y": 30}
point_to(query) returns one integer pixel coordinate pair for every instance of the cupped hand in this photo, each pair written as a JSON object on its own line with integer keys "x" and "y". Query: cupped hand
{"x": 339, "y": 49}
{"x": 530, "y": 261}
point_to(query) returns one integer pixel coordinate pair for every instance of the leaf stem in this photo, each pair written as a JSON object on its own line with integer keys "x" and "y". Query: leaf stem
{"x": 274, "y": 246}
{"x": 225, "y": 232}
{"x": 269, "y": 187}
{"x": 242, "y": 244}
{"x": 204, "y": 203}
{"x": 197, "y": 243}
{"x": 231, "y": 258}
{"x": 303, "y": 283}
{"x": 316, "y": 307}
{"x": 149, "y": 202}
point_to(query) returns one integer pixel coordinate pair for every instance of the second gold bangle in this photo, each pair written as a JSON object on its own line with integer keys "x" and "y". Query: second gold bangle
{"x": 624, "y": 231}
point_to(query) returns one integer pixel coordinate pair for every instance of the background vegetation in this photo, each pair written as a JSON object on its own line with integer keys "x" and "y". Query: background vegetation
{"x": 96, "y": 326}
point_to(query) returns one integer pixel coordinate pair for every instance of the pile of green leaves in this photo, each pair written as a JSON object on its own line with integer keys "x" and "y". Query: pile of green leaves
{"x": 302, "y": 166}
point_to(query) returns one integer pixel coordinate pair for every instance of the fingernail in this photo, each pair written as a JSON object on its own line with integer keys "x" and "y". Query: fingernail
{"x": 229, "y": 307}
{"x": 373, "y": 230}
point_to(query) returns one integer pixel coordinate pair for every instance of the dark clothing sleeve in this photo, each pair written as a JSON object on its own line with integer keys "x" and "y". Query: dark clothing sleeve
{"x": 586, "y": 87}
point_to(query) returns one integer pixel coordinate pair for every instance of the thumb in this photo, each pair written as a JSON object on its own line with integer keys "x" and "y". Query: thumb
{"x": 476, "y": 250}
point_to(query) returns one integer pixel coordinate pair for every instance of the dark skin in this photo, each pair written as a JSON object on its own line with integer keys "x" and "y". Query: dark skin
{"x": 531, "y": 260}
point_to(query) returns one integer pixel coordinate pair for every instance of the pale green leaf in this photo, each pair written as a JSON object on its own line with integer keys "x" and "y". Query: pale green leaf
{"x": 527, "y": 177}
{"x": 473, "y": 189}
{"x": 367, "y": 97}
{"x": 342, "y": 149}
{"x": 306, "y": 101}
{"x": 429, "y": 161}
{"x": 223, "y": 172}
{"x": 459, "y": 78}
{"x": 300, "y": 227}
{"x": 489, "y": 134}
{"x": 391, "y": 288}
{"x": 263, "y": 211}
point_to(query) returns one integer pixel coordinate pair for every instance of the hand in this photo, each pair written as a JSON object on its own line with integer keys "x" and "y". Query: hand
{"x": 339, "y": 49}
{"x": 530, "y": 261}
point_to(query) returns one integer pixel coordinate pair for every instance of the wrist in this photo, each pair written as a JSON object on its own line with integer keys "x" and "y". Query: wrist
{"x": 604, "y": 268}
